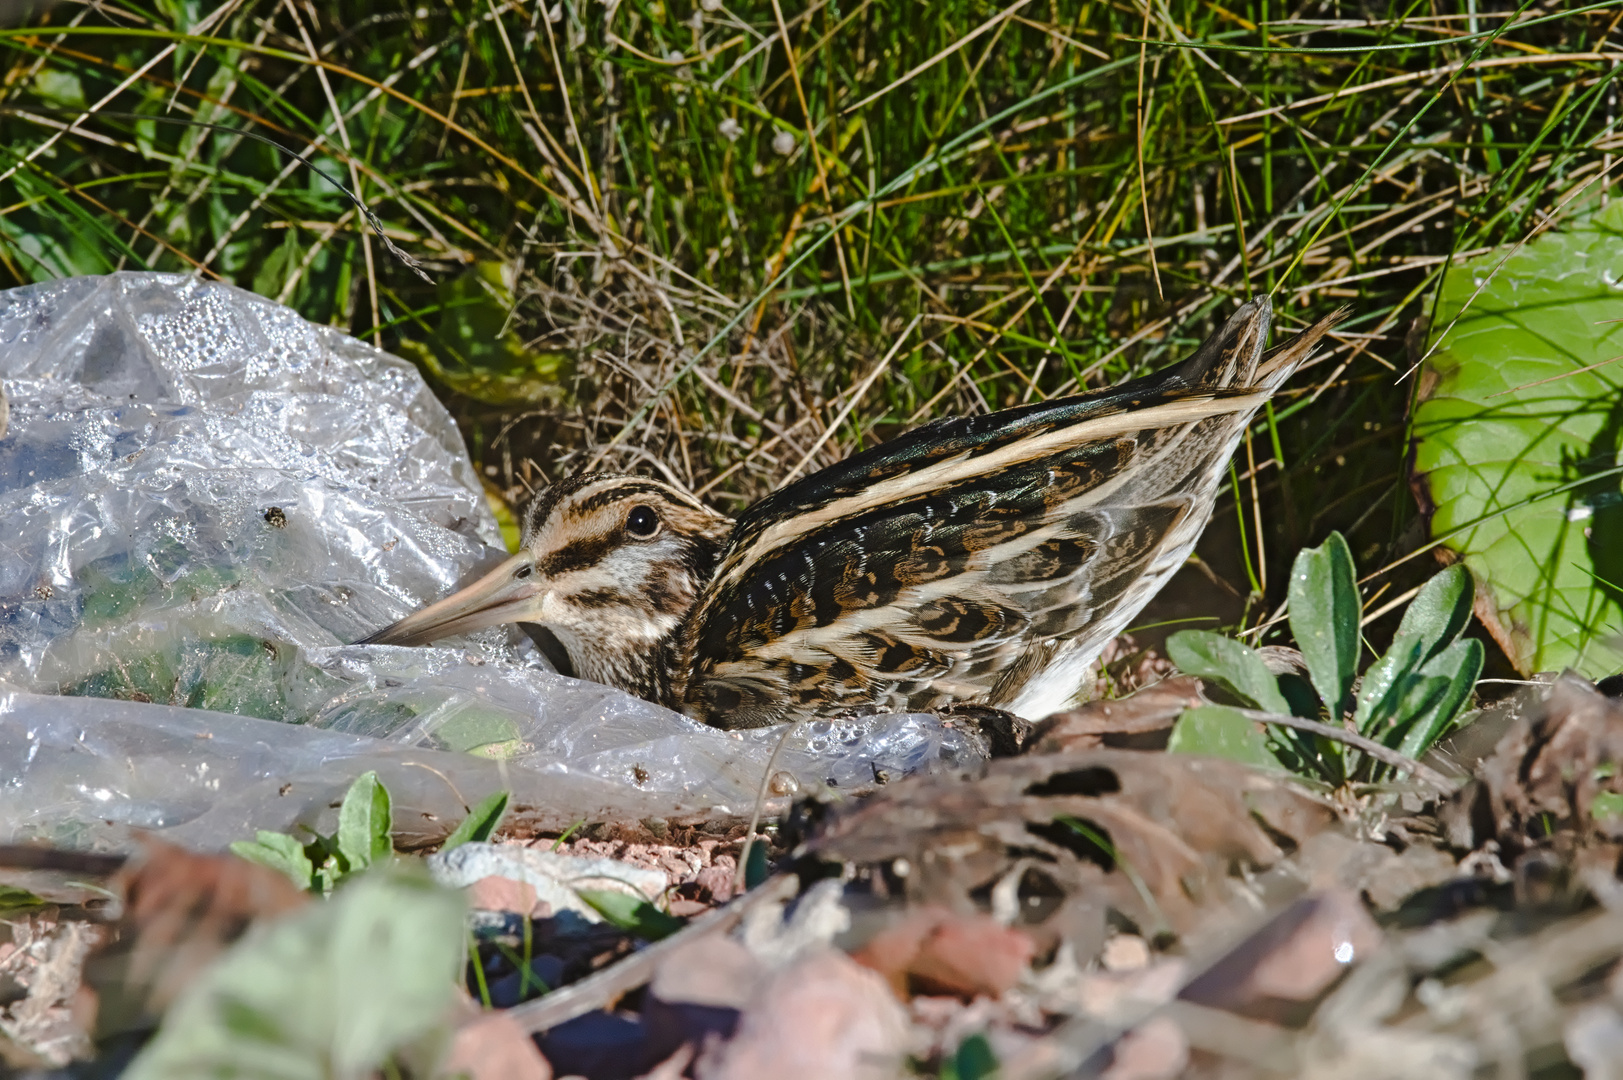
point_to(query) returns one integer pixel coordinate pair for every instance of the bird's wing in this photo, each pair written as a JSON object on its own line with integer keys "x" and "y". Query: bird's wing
{"x": 935, "y": 567}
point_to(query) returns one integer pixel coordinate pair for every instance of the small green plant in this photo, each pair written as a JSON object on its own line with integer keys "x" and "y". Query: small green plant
{"x": 361, "y": 986}
{"x": 974, "y": 1060}
{"x": 15, "y": 900}
{"x": 1408, "y": 699}
{"x": 481, "y": 822}
{"x": 632, "y": 914}
{"x": 364, "y": 837}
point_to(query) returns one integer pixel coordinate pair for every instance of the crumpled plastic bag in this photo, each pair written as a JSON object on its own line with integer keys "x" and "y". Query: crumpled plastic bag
{"x": 203, "y": 498}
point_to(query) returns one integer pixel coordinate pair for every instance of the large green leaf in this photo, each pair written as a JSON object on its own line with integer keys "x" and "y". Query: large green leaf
{"x": 1440, "y": 612}
{"x": 1218, "y": 731}
{"x": 1378, "y": 697}
{"x": 1237, "y": 666}
{"x": 1517, "y": 446}
{"x": 328, "y": 993}
{"x": 1454, "y": 672}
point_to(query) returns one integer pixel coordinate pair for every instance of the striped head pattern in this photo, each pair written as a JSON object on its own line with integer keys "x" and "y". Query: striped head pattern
{"x": 609, "y": 563}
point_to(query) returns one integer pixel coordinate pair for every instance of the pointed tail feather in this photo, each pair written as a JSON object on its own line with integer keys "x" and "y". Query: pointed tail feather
{"x": 1229, "y": 357}
{"x": 1282, "y": 360}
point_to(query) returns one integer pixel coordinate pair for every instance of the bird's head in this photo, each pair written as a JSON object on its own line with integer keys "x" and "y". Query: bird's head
{"x": 610, "y": 564}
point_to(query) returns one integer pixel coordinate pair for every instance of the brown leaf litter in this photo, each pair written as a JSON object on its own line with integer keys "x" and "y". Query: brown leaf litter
{"x": 166, "y": 914}
{"x": 1093, "y": 911}
{"x": 1551, "y": 794}
{"x": 1141, "y": 721}
{"x": 934, "y": 951}
{"x": 47, "y": 1012}
{"x": 935, "y": 879}
{"x": 1049, "y": 841}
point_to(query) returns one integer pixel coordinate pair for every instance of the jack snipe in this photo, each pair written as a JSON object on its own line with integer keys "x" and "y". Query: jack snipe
{"x": 984, "y": 560}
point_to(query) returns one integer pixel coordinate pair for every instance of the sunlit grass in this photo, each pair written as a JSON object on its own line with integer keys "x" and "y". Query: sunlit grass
{"x": 727, "y": 243}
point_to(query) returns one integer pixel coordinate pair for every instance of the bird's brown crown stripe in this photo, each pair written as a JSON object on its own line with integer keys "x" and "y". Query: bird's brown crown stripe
{"x": 629, "y": 489}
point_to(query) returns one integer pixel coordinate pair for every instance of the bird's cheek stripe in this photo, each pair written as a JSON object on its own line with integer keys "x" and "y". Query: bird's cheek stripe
{"x": 576, "y": 555}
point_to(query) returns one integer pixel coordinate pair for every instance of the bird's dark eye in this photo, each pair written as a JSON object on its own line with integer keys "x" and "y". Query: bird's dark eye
{"x": 642, "y": 522}
{"x": 523, "y": 571}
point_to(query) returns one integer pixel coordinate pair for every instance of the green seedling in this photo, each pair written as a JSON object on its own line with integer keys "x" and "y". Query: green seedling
{"x": 1411, "y": 697}
{"x": 361, "y": 986}
{"x": 481, "y": 822}
{"x": 973, "y": 1060}
{"x": 632, "y": 914}
{"x": 364, "y": 838}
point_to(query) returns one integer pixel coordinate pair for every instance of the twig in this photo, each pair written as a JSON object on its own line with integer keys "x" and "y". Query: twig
{"x": 760, "y": 805}
{"x": 1384, "y": 754}
{"x": 35, "y": 857}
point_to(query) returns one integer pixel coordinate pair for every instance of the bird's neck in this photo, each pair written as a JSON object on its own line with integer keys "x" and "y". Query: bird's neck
{"x": 637, "y": 662}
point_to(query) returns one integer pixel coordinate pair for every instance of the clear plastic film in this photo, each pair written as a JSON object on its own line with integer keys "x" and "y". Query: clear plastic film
{"x": 203, "y": 499}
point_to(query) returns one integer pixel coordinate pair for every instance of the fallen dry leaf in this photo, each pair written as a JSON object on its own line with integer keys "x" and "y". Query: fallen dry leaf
{"x": 699, "y": 992}
{"x": 1155, "y": 1050}
{"x": 492, "y": 1046}
{"x": 1043, "y": 837}
{"x": 1141, "y": 721}
{"x": 174, "y": 912}
{"x": 1295, "y": 957}
{"x": 1554, "y": 783}
{"x": 674, "y": 1067}
{"x": 180, "y": 911}
{"x": 1381, "y": 875}
{"x": 933, "y": 951}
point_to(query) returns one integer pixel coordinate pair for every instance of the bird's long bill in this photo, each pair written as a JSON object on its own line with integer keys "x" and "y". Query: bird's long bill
{"x": 506, "y": 594}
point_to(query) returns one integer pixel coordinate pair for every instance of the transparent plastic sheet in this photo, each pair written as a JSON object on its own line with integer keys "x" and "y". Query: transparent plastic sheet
{"x": 203, "y": 498}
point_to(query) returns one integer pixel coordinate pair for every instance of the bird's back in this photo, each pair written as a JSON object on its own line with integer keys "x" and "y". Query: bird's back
{"x": 984, "y": 559}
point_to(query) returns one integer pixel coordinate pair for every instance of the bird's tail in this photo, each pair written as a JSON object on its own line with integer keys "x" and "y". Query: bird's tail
{"x": 1230, "y": 356}
{"x": 1234, "y": 356}
{"x": 1280, "y": 361}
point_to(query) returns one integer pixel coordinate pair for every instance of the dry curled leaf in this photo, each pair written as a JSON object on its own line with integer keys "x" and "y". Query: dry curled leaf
{"x": 1290, "y": 960}
{"x": 933, "y": 951}
{"x": 1139, "y": 721}
{"x": 1148, "y": 834}
{"x": 1554, "y": 783}
{"x": 822, "y": 1016}
{"x": 492, "y": 1046}
{"x": 180, "y": 911}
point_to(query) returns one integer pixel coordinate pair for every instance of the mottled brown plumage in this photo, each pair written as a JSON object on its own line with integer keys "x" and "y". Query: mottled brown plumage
{"x": 984, "y": 560}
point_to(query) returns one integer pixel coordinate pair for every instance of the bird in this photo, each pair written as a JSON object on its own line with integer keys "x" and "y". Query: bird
{"x": 972, "y": 561}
